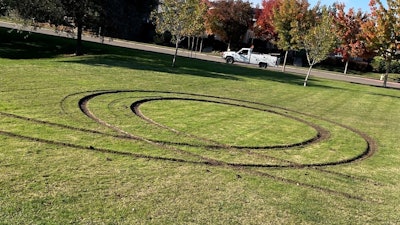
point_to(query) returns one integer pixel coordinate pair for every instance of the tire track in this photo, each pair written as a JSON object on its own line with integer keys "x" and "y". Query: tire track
{"x": 250, "y": 169}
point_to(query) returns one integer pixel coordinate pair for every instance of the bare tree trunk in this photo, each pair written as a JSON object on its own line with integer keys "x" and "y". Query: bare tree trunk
{"x": 346, "y": 66}
{"x": 385, "y": 78}
{"x": 197, "y": 44}
{"x": 284, "y": 61}
{"x": 192, "y": 48}
{"x": 176, "y": 52}
{"x": 201, "y": 45}
{"x": 308, "y": 74}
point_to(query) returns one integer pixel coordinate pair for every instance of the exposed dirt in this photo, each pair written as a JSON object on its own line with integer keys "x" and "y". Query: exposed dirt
{"x": 322, "y": 135}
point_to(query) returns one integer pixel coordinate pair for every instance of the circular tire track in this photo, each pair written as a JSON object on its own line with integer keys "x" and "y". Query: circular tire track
{"x": 323, "y": 134}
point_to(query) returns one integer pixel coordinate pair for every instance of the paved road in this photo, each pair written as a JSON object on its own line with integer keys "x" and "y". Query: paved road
{"x": 162, "y": 49}
{"x": 340, "y": 76}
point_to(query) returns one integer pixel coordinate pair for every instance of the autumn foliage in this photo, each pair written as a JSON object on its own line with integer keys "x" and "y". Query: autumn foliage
{"x": 265, "y": 28}
{"x": 229, "y": 19}
{"x": 382, "y": 31}
{"x": 349, "y": 32}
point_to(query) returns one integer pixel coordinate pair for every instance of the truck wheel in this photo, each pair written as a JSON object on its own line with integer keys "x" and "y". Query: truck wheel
{"x": 263, "y": 65}
{"x": 230, "y": 60}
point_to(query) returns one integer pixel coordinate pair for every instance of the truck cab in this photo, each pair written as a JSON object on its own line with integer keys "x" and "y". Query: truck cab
{"x": 244, "y": 55}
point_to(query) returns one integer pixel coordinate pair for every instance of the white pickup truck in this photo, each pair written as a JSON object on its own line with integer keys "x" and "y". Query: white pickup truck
{"x": 246, "y": 55}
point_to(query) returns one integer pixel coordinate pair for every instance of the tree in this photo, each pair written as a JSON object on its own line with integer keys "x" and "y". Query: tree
{"x": 265, "y": 27}
{"x": 39, "y": 10}
{"x": 291, "y": 19}
{"x": 319, "y": 41}
{"x": 229, "y": 19}
{"x": 4, "y": 6}
{"x": 127, "y": 19}
{"x": 197, "y": 28}
{"x": 176, "y": 17}
{"x": 349, "y": 33}
{"x": 382, "y": 31}
{"x": 80, "y": 12}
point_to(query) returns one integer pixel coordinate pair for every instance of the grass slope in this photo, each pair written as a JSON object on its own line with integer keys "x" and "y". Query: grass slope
{"x": 58, "y": 165}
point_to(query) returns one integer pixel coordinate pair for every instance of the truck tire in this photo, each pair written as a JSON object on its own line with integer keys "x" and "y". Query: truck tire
{"x": 263, "y": 65}
{"x": 230, "y": 60}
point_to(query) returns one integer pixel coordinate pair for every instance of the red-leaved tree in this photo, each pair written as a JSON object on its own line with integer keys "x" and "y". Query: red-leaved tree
{"x": 382, "y": 31}
{"x": 265, "y": 28}
{"x": 349, "y": 32}
{"x": 229, "y": 19}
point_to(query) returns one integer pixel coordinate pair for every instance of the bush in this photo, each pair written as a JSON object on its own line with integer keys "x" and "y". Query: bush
{"x": 162, "y": 39}
{"x": 379, "y": 65}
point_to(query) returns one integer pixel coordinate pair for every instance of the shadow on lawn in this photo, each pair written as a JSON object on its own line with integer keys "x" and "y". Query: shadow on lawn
{"x": 25, "y": 45}
{"x": 16, "y": 44}
{"x": 142, "y": 60}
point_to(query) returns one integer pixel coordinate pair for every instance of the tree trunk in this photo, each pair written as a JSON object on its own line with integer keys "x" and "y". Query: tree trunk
{"x": 197, "y": 44}
{"x": 79, "y": 51}
{"x": 308, "y": 74}
{"x": 346, "y": 66}
{"x": 201, "y": 45}
{"x": 385, "y": 78}
{"x": 193, "y": 47}
{"x": 284, "y": 61}
{"x": 176, "y": 52}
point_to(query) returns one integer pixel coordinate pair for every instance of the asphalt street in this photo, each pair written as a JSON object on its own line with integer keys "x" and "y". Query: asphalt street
{"x": 203, "y": 56}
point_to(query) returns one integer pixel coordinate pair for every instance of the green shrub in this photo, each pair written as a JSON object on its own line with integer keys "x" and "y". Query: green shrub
{"x": 379, "y": 65}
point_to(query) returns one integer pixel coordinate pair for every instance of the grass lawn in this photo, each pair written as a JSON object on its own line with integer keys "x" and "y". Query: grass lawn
{"x": 118, "y": 136}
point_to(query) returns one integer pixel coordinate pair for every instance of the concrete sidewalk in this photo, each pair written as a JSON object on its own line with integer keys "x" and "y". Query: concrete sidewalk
{"x": 185, "y": 53}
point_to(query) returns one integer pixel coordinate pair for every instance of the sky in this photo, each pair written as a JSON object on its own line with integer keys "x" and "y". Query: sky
{"x": 356, "y": 4}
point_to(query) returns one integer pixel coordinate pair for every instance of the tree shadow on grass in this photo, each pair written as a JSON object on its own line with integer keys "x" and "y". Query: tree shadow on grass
{"x": 158, "y": 62}
{"x": 149, "y": 61}
{"x": 25, "y": 45}
{"x": 17, "y": 44}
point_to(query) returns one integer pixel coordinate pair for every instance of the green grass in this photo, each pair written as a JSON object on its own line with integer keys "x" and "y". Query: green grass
{"x": 59, "y": 166}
